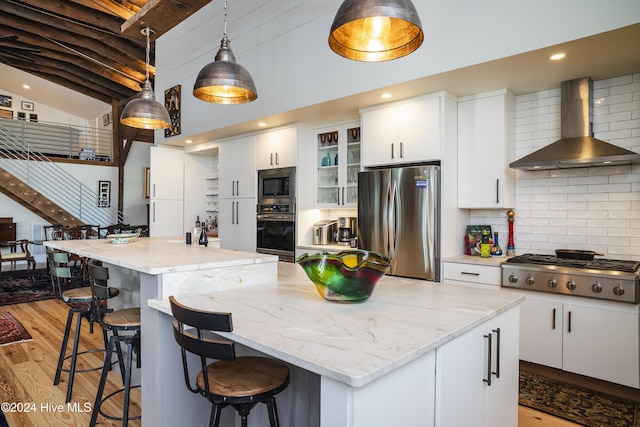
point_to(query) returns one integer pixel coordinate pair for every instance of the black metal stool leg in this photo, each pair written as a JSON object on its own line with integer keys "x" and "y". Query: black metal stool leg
{"x": 74, "y": 355}
{"x": 63, "y": 347}
{"x": 103, "y": 381}
{"x": 127, "y": 382}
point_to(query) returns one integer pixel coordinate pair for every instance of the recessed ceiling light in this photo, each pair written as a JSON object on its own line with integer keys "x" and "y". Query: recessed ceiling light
{"x": 26, "y": 86}
{"x": 262, "y": 124}
{"x": 557, "y": 56}
{"x": 188, "y": 141}
{"x": 385, "y": 95}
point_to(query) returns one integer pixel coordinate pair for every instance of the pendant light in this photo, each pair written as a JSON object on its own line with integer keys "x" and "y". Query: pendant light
{"x": 225, "y": 81}
{"x": 376, "y": 30}
{"x": 145, "y": 112}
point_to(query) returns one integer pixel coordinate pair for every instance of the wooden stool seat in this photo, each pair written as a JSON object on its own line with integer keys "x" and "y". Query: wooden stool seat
{"x": 77, "y": 295}
{"x": 239, "y": 382}
{"x": 245, "y": 376}
{"x": 125, "y": 318}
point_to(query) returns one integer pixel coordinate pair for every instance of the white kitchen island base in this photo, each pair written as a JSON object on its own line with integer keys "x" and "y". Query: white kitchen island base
{"x": 379, "y": 363}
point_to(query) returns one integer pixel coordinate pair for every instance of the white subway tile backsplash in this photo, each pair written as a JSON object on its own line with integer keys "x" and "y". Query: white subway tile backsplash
{"x": 586, "y": 208}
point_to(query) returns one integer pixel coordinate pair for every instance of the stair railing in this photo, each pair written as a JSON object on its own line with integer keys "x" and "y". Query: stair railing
{"x": 48, "y": 178}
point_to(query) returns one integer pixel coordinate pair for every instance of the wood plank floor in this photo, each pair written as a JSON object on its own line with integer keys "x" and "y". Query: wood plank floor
{"x": 27, "y": 370}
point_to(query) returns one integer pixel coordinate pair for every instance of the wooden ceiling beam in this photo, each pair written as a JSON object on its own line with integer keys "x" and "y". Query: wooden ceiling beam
{"x": 71, "y": 75}
{"x": 90, "y": 92}
{"x": 115, "y": 8}
{"x": 85, "y": 12}
{"x": 161, "y": 16}
{"x": 50, "y": 49}
{"x": 70, "y": 32}
{"x": 69, "y": 43}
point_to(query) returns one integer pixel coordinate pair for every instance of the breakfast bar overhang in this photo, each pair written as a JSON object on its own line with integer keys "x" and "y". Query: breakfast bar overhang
{"x": 388, "y": 361}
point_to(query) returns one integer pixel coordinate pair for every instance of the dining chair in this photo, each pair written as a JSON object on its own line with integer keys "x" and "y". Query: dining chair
{"x": 18, "y": 251}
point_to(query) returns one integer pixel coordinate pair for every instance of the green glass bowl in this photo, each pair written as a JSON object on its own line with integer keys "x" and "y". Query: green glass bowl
{"x": 348, "y": 276}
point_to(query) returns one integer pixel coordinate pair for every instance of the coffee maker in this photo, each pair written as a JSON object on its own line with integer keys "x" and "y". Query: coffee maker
{"x": 347, "y": 230}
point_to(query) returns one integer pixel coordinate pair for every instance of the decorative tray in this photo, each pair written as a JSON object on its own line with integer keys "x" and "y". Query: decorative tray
{"x": 123, "y": 237}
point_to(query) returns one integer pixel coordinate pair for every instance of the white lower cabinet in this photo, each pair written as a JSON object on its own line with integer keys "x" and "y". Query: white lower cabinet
{"x": 472, "y": 274}
{"x": 477, "y": 375}
{"x": 166, "y": 218}
{"x": 596, "y": 339}
{"x": 237, "y": 224}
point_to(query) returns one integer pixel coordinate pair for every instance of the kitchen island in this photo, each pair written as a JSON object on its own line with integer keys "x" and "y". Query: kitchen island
{"x": 392, "y": 360}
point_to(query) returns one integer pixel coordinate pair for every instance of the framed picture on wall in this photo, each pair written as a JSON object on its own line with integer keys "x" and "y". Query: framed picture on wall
{"x": 172, "y": 104}
{"x": 33, "y": 117}
{"x": 104, "y": 194}
{"x": 6, "y": 114}
{"x": 147, "y": 179}
{"x": 27, "y": 106}
{"x": 5, "y": 101}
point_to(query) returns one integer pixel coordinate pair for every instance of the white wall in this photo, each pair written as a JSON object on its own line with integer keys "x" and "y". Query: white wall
{"x": 48, "y": 113}
{"x": 587, "y": 208}
{"x": 287, "y": 53}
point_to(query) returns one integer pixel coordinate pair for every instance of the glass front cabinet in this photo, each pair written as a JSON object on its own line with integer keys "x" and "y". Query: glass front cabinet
{"x": 337, "y": 160}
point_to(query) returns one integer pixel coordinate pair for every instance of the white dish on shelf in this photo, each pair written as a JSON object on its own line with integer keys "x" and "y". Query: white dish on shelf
{"x": 123, "y": 237}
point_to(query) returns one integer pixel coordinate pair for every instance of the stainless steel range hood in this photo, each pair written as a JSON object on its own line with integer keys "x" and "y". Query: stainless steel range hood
{"x": 577, "y": 147}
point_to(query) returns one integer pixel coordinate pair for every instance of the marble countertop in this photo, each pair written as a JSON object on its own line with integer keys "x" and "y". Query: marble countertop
{"x": 159, "y": 255}
{"x": 468, "y": 259}
{"x": 351, "y": 343}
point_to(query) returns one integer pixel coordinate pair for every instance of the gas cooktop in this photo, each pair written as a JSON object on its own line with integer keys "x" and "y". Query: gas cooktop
{"x": 595, "y": 264}
{"x": 600, "y": 278}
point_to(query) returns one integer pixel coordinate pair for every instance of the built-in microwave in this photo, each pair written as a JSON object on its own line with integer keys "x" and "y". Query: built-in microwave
{"x": 277, "y": 186}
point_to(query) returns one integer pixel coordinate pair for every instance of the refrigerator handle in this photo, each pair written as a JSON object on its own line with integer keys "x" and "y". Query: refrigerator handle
{"x": 392, "y": 223}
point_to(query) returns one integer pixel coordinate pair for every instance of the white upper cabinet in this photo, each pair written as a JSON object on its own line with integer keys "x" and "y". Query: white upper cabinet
{"x": 404, "y": 132}
{"x": 237, "y": 168}
{"x": 166, "y": 173}
{"x": 486, "y": 146}
{"x": 337, "y": 163}
{"x": 276, "y": 148}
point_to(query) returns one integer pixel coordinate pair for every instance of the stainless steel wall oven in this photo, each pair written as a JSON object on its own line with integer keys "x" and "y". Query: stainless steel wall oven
{"x": 276, "y": 217}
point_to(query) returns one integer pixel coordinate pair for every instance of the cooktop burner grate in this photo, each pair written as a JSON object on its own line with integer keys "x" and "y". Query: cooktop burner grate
{"x": 595, "y": 264}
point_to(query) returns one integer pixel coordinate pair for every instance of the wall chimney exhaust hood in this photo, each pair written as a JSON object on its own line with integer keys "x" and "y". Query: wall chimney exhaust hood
{"x": 577, "y": 147}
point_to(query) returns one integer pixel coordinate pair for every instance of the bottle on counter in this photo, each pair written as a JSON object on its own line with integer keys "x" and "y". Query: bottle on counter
{"x": 485, "y": 246}
{"x": 198, "y": 221}
{"x": 203, "y": 240}
{"x": 496, "y": 250}
{"x": 196, "y": 229}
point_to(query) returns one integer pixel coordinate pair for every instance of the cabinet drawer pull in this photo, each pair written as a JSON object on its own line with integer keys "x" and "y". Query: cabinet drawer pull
{"x": 487, "y": 380}
{"x": 401, "y": 150}
{"x": 392, "y": 148}
{"x": 569, "y": 325}
{"x": 469, "y": 274}
{"x": 497, "y": 371}
{"x": 497, "y": 191}
{"x": 271, "y": 159}
{"x": 553, "y": 319}
{"x": 277, "y": 160}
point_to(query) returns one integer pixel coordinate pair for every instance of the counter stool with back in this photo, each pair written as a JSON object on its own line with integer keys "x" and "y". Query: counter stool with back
{"x": 240, "y": 382}
{"x": 124, "y": 325}
{"x": 80, "y": 303}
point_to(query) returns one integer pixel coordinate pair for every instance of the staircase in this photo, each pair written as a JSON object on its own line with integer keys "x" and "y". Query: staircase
{"x": 42, "y": 186}
{"x": 35, "y": 201}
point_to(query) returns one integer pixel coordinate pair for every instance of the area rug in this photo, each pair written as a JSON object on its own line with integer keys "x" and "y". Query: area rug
{"x": 576, "y": 404}
{"x": 11, "y": 330}
{"x": 16, "y": 287}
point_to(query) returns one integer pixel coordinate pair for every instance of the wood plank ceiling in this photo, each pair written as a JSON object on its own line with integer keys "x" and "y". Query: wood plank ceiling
{"x": 91, "y": 46}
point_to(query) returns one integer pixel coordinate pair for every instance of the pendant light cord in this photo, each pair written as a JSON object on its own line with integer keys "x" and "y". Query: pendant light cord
{"x": 225, "y": 19}
{"x": 147, "y": 30}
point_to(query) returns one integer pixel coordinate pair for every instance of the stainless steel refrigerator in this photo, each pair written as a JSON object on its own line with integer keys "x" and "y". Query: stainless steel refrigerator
{"x": 399, "y": 217}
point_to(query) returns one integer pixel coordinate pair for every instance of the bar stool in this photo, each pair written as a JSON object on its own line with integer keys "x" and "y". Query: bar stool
{"x": 80, "y": 301}
{"x": 239, "y": 382}
{"x": 116, "y": 321}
